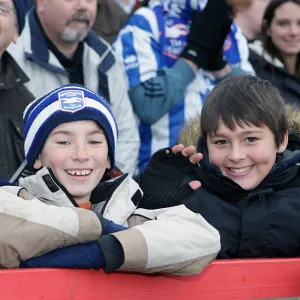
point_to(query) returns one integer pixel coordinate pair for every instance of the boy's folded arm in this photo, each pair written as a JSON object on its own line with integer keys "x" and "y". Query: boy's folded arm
{"x": 82, "y": 256}
{"x": 173, "y": 240}
{"x": 177, "y": 242}
{"x": 32, "y": 228}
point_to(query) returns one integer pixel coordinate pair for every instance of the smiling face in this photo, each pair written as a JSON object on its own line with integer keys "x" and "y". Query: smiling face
{"x": 77, "y": 153}
{"x": 68, "y": 20}
{"x": 246, "y": 154}
{"x": 284, "y": 29}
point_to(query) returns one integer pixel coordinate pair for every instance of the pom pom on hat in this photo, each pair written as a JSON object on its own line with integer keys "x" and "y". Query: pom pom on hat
{"x": 68, "y": 103}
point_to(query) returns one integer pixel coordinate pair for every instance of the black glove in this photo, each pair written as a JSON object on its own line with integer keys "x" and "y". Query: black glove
{"x": 217, "y": 61}
{"x": 206, "y": 32}
{"x": 165, "y": 179}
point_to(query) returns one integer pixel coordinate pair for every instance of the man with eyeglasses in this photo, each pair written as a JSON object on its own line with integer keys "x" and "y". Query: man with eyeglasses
{"x": 14, "y": 96}
{"x": 57, "y": 47}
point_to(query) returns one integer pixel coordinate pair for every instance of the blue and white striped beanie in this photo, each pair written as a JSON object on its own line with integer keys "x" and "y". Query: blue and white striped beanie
{"x": 66, "y": 104}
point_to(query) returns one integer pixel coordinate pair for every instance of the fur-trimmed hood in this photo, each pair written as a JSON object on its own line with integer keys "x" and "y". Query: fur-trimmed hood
{"x": 191, "y": 132}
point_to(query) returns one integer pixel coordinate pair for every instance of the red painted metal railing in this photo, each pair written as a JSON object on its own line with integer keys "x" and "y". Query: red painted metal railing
{"x": 223, "y": 279}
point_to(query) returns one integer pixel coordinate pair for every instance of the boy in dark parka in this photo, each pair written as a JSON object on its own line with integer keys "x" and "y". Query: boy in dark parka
{"x": 249, "y": 174}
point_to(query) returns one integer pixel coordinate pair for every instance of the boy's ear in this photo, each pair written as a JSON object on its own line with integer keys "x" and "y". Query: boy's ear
{"x": 37, "y": 164}
{"x": 284, "y": 144}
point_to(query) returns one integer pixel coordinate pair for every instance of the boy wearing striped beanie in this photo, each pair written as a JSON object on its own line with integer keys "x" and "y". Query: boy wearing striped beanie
{"x": 72, "y": 131}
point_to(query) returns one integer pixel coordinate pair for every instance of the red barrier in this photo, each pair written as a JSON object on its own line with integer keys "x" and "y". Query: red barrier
{"x": 221, "y": 280}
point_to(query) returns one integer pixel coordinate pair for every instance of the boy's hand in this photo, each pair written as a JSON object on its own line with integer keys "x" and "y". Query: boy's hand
{"x": 169, "y": 177}
{"x": 188, "y": 151}
{"x": 194, "y": 158}
{"x": 207, "y": 35}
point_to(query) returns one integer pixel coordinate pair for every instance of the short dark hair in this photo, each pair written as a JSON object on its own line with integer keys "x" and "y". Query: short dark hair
{"x": 244, "y": 100}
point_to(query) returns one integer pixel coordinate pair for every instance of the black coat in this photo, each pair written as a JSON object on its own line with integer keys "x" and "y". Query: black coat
{"x": 253, "y": 224}
{"x": 288, "y": 84}
{"x": 14, "y": 97}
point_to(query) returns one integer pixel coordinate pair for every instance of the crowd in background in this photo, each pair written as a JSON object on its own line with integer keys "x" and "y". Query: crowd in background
{"x": 167, "y": 56}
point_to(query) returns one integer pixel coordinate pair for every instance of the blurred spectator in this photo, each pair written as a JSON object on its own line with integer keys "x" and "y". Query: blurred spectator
{"x": 13, "y": 94}
{"x": 249, "y": 16}
{"x": 277, "y": 56}
{"x": 57, "y": 47}
{"x": 165, "y": 48}
{"x": 109, "y": 20}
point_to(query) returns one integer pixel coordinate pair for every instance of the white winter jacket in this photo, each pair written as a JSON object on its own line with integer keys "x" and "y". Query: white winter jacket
{"x": 171, "y": 240}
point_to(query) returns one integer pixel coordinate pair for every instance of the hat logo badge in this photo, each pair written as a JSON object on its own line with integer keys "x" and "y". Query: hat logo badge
{"x": 71, "y": 100}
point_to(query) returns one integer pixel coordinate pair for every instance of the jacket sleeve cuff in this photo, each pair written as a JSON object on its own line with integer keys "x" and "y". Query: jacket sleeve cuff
{"x": 112, "y": 251}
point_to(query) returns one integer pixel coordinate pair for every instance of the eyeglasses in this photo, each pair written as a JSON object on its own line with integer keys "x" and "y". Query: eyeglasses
{"x": 6, "y": 10}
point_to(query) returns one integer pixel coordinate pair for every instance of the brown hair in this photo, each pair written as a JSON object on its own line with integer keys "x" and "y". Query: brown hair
{"x": 244, "y": 100}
